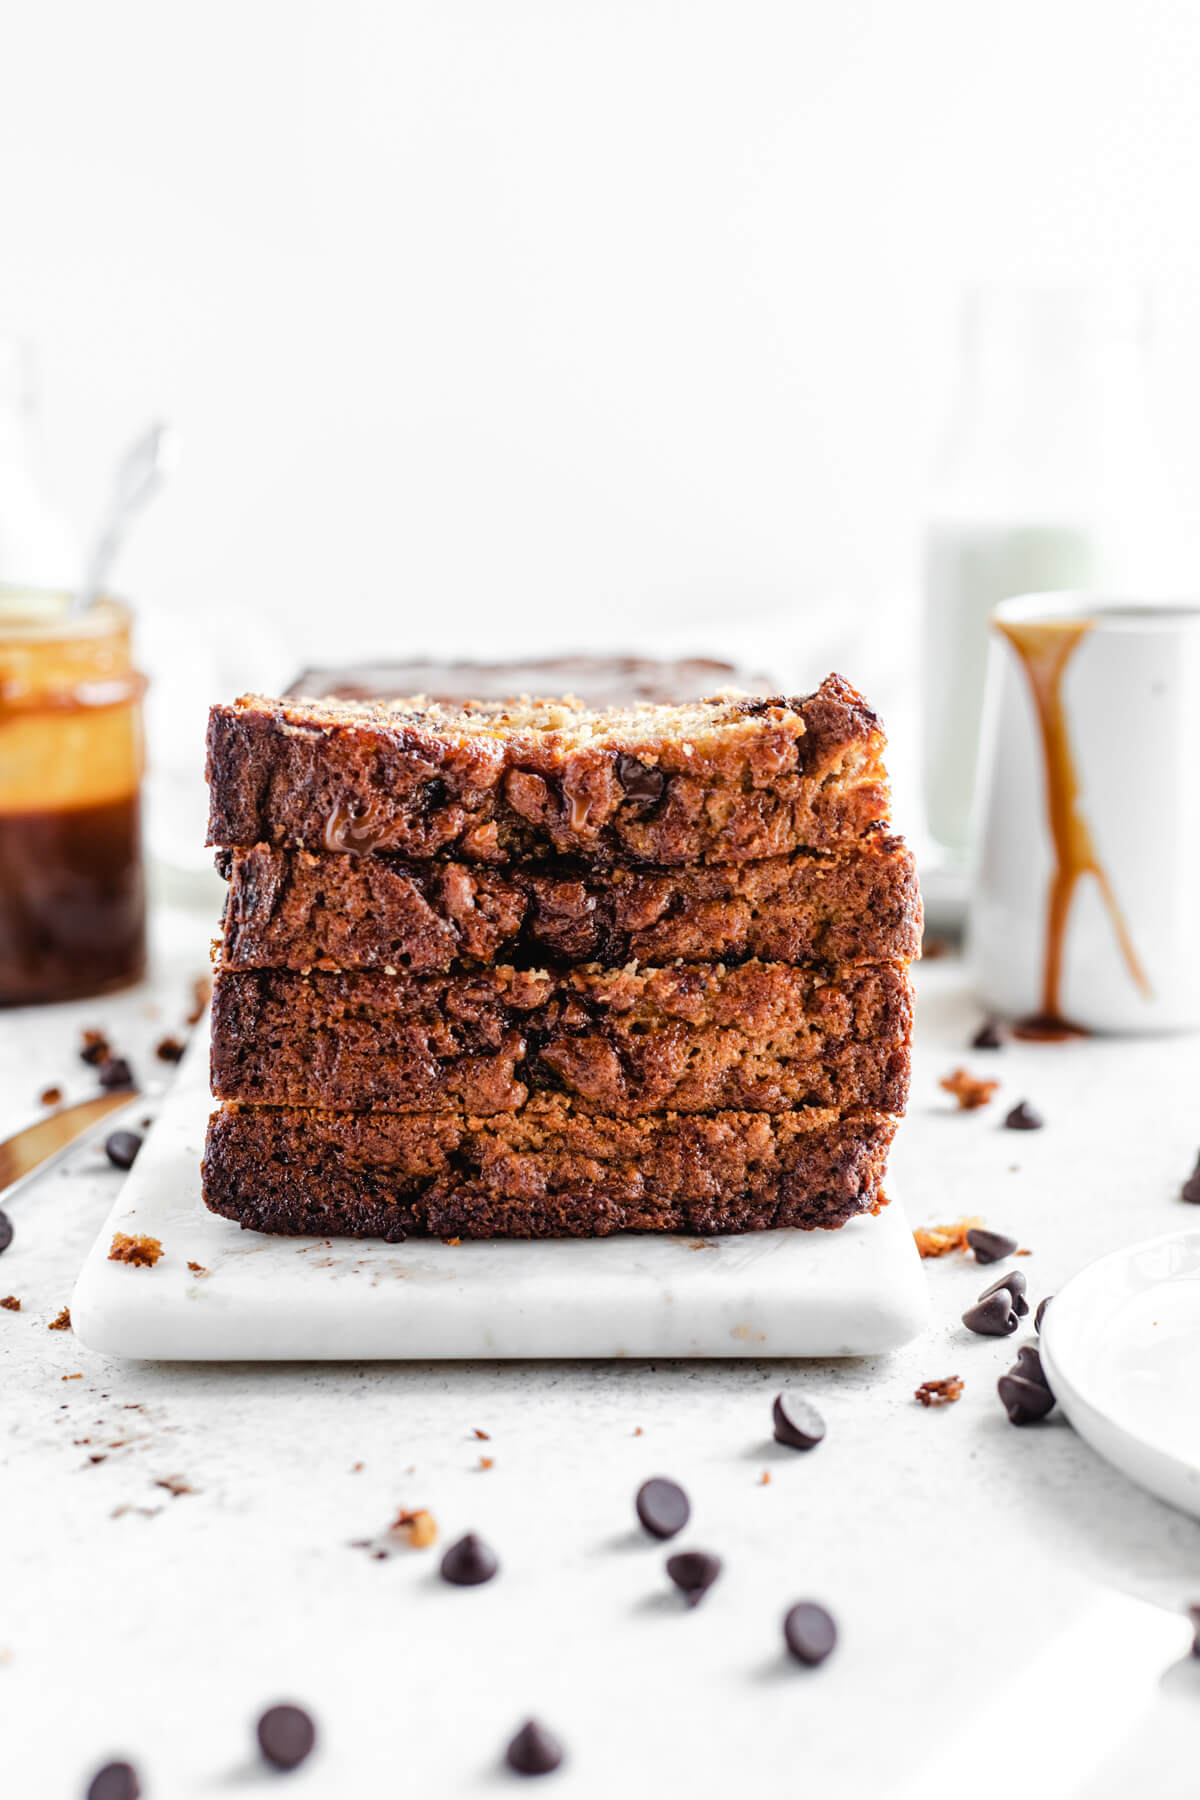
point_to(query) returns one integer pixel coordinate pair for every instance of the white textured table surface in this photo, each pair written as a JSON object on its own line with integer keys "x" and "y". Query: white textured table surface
{"x": 986, "y": 1579}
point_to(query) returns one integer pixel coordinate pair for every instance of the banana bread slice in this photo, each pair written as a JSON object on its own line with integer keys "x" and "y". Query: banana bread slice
{"x": 722, "y": 780}
{"x": 757, "y": 1037}
{"x": 297, "y": 909}
{"x": 546, "y": 1171}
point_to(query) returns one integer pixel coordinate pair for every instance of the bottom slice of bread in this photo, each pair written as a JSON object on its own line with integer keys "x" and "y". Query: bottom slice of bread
{"x": 545, "y": 1171}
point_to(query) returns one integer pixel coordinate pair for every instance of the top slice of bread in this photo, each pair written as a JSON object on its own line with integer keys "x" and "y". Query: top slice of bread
{"x": 722, "y": 780}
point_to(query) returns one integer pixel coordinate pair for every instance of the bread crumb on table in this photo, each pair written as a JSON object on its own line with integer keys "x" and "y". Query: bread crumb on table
{"x": 142, "y": 1252}
{"x": 971, "y": 1091}
{"x": 419, "y": 1527}
{"x": 937, "y": 1240}
{"x": 939, "y": 1393}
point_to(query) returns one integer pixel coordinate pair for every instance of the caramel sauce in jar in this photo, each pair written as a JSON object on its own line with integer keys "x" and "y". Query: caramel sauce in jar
{"x": 72, "y": 900}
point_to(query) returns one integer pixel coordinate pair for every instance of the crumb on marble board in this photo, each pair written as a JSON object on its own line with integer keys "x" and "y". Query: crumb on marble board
{"x": 142, "y": 1252}
{"x": 62, "y": 1322}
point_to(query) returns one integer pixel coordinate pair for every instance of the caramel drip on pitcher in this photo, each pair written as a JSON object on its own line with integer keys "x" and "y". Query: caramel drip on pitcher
{"x": 1045, "y": 647}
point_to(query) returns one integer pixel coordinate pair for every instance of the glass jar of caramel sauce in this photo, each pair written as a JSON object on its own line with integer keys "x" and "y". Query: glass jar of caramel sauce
{"x": 72, "y": 900}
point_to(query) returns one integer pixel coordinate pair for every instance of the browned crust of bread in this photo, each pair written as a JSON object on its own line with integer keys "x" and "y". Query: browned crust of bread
{"x": 756, "y": 1037}
{"x": 719, "y": 781}
{"x": 296, "y": 909}
{"x": 547, "y": 1171}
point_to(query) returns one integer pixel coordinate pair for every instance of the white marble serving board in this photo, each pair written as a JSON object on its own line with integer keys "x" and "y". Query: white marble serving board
{"x": 779, "y": 1293}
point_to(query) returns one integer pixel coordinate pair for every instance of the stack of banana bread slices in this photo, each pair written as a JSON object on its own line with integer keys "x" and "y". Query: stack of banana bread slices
{"x": 537, "y": 969}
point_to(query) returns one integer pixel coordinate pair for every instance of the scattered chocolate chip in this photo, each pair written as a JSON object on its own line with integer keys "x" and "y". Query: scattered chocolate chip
{"x": 286, "y": 1735}
{"x": 121, "y": 1148}
{"x": 51, "y": 1096}
{"x": 115, "y": 1073}
{"x": 10, "y": 1303}
{"x": 797, "y": 1422}
{"x": 6, "y": 1232}
{"x": 693, "y": 1572}
{"x": 939, "y": 1393}
{"x": 1190, "y": 1190}
{"x": 639, "y": 781}
{"x": 993, "y": 1317}
{"x": 469, "y": 1562}
{"x": 1024, "y": 1391}
{"x": 990, "y": 1246}
{"x": 95, "y": 1048}
{"x": 115, "y": 1781}
{"x": 809, "y": 1633}
{"x": 1024, "y": 1118}
{"x": 534, "y": 1750}
{"x": 1024, "y": 1401}
{"x": 170, "y": 1050}
{"x": 1029, "y": 1365}
{"x": 988, "y": 1037}
{"x": 662, "y": 1507}
{"x": 1014, "y": 1282}
{"x": 1040, "y": 1314}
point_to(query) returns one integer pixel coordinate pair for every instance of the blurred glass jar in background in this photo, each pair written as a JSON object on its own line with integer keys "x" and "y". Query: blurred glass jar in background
{"x": 1050, "y": 478}
{"x": 72, "y": 904}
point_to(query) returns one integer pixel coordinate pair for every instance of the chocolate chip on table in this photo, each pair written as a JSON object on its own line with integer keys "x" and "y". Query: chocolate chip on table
{"x": 797, "y": 1422}
{"x": 639, "y": 780}
{"x": 170, "y": 1049}
{"x": 115, "y": 1781}
{"x": 1190, "y": 1190}
{"x": 663, "y": 1507}
{"x": 1014, "y": 1281}
{"x": 693, "y": 1572}
{"x": 534, "y": 1750}
{"x": 115, "y": 1073}
{"x": 809, "y": 1633}
{"x": 988, "y": 1037}
{"x": 51, "y": 1096}
{"x": 994, "y": 1317}
{"x": 990, "y": 1246}
{"x": 121, "y": 1148}
{"x": 6, "y": 1232}
{"x": 1024, "y": 1391}
{"x": 469, "y": 1562}
{"x": 1024, "y": 1118}
{"x": 1040, "y": 1314}
{"x": 1029, "y": 1365}
{"x": 95, "y": 1048}
{"x": 286, "y": 1735}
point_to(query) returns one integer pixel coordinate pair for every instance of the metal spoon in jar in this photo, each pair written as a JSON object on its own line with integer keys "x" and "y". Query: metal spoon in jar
{"x": 141, "y": 473}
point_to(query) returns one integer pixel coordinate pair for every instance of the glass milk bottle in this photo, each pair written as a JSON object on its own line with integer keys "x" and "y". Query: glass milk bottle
{"x": 1050, "y": 478}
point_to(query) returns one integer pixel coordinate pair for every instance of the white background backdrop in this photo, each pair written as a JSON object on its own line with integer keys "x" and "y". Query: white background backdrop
{"x": 490, "y": 319}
